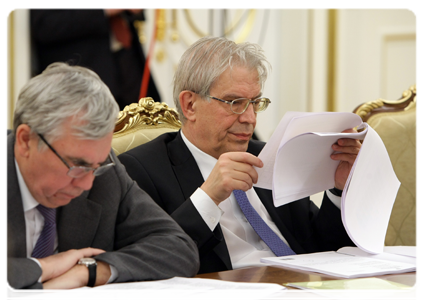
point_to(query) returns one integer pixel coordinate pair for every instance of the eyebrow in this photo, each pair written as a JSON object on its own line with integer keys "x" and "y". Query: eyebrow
{"x": 235, "y": 96}
{"x": 77, "y": 161}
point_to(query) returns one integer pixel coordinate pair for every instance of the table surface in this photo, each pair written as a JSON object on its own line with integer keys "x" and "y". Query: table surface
{"x": 280, "y": 275}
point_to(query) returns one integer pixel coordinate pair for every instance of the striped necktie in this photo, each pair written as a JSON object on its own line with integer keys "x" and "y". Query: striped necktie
{"x": 45, "y": 243}
{"x": 278, "y": 247}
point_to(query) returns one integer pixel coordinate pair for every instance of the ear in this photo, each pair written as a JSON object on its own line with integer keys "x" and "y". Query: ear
{"x": 187, "y": 100}
{"x": 22, "y": 140}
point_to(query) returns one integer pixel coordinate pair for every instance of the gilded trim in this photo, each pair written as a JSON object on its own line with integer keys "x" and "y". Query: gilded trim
{"x": 407, "y": 95}
{"x": 146, "y": 112}
{"x": 331, "y": 59}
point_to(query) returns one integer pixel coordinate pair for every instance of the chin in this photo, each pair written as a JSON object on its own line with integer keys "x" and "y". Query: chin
{"x": 56, "y": 202}
{"x": 239, "y": 147}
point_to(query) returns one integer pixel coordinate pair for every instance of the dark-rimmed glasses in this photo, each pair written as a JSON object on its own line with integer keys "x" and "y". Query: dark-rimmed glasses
{"x": 240, "y": 105}
{"x": 80, "y": 171}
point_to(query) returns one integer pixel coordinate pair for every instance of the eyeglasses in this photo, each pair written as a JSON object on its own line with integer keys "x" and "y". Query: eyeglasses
{"x": 80, "y": 171}
{"x": 239, "y": 106}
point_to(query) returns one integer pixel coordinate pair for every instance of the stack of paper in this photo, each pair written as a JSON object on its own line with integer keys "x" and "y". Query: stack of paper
{"x": 297, "y": 164}
{"x": 346, "y": 262}
{"x": 174, "y": 288}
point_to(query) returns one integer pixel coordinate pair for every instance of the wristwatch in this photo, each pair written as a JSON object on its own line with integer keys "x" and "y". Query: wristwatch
{"x": 91, "y": 264}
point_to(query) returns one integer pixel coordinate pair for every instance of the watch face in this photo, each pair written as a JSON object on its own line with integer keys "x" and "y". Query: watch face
{"x": 87, "y": 261}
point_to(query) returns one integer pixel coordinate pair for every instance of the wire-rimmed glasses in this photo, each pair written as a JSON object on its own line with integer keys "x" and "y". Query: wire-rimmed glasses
{"x": 240, "y": 105}
{"x": 80, "y": 171}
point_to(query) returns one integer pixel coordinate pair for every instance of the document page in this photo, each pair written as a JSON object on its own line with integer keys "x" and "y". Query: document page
{"x": 340, "y": 265}
{"x": 297, "y": 159}
{"x": 297, "y": 164}
{"x": 383, "y": 256}
{"x": 369, "y": 195}
{"x": 409, "y": 251}
{"x": 174, "y": 288}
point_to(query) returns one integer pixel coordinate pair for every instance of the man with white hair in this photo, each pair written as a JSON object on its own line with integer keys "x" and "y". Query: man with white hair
{"x": 75, "y": 218}
{"x": 203, "y": 175}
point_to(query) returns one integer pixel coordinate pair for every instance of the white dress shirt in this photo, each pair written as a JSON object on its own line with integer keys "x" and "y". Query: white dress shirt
{"x": 34, "y": 222}
{"x": 244, "y": 245}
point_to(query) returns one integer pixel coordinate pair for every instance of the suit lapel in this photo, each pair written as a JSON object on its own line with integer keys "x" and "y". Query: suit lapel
{"x": 184, "y": 166}
{"x": 16, "y": 231}
{"x": 190, "y": 178}
{"x": 77, "y": 223}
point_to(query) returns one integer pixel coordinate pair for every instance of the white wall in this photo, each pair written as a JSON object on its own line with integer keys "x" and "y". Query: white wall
{"x": 376, "y": 54}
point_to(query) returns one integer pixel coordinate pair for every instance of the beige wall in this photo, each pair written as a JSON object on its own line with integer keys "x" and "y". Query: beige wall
{"x": 374, "y": 54}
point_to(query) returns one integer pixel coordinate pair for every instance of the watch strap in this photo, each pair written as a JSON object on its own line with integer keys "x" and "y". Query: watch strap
{"x": 92, "y": 274}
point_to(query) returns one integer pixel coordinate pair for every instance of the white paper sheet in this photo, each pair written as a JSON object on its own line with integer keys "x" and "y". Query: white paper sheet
{"x": 389, "y": 256}
{"x": 292, "y": 125}
{"x": 309, "y": 155}
{"x": 173, "y": 288}
{"x": 340, "y": 265}
{"x": 297, "y": 164}
{"x": 369, "y": 195}
{"x": 401, "y": 250}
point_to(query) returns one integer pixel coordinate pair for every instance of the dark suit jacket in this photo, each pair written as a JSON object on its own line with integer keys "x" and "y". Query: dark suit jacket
{"x": 82, "y": 37}
{"x": 141, "y": 240}
{"x": 167, "y": 171}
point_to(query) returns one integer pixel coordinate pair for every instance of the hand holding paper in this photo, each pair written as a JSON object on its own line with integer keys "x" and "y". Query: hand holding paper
{"x": 346, "y": 151}
{"x": 297, "y": 163}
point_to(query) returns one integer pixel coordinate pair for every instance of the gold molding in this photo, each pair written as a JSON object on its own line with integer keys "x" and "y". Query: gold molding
{"x": 407, "y": 95}
{"x": 146, "y": 112}
{"x": 331, "y": 59}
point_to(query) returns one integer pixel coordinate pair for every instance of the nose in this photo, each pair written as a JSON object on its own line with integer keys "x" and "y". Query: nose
{"x": 249, "y": 116}
{"x": 85, "y": 182}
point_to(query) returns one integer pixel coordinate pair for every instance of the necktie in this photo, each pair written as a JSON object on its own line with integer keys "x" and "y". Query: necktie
{"x": 263, "y": 230}
{"x": 121, "y": 30}
{"x": 45, "y": 244}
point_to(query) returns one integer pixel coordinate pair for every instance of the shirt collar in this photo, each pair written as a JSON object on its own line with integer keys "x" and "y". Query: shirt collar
{"x": 204, "y": 161}
{"x": 28, "y": 200}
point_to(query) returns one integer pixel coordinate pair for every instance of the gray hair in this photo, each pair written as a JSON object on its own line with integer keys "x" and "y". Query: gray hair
{"x": 205, "y": 60}
{"x": 62, "y": 92}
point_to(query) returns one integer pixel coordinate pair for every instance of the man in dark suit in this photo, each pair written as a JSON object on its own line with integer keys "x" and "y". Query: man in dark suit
{"x": 192, "y": 173}
{"x": 75, "y": 218}
{"x": 92, "y": 38}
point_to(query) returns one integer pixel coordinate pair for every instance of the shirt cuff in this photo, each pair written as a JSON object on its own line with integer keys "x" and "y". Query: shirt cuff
{"x": 38, "y": 263}
{"x": 112, "y": 278}
{"x": 207, "y": 209}
{"x": 334, "y": 198}
{"x": 114, "y": 275}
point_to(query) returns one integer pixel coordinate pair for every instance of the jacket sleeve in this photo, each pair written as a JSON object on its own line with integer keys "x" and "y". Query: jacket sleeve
{"x": 23, "y": 273}
{"x": 184, "y": 212}
{"x": 149, "y": 244}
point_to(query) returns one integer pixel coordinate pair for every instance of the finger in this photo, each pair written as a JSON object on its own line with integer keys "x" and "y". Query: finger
{"x": 89, "y": 252}
{"x": 348, "y": 142}
{"x": 243, "y": 157}
{"x": 350, "y": 130}
{"x": 350, "y": 150}
{"x": 350, "y": 158}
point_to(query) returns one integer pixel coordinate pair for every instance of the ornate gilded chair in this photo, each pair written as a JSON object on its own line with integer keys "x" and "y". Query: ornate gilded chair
{"x": 395, "y": 122}
{"x": 141, "y": 122}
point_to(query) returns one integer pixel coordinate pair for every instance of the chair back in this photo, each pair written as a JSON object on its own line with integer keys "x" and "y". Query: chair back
{"x": 395, "y": 122}
{"x": 141, "y": 122}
